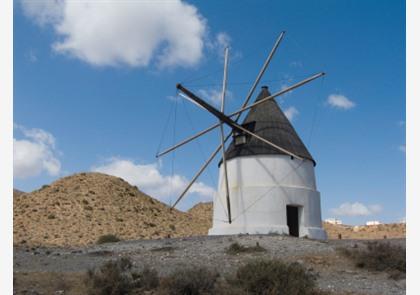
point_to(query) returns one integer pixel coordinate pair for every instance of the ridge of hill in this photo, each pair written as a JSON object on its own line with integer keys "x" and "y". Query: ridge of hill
{"x": 203, "y": 213}
{"x": 17, "y": 193}
{"x": 76, "y": 210}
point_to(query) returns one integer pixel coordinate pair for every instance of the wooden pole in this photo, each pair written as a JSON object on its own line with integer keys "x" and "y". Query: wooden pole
{"x": 222, "y": 110}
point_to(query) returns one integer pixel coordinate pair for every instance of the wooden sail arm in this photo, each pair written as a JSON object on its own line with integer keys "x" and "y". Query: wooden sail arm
{"x": 288, "y": 89}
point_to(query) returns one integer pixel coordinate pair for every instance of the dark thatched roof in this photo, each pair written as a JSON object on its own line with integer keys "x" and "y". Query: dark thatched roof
{"x": 271, "y": 124}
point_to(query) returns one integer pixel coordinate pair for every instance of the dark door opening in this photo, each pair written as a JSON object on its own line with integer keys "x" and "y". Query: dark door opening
{"x": 293, "y": 220}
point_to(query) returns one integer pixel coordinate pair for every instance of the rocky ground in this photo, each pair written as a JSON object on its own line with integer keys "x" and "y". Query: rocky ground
{"x": 47, "y": 270}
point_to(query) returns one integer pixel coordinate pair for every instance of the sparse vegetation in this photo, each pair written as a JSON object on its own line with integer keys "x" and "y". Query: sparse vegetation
{"x": 256, "y": 277}
{"x": 51, "y": 216}
{"x": 379, "y": 256}
{"x": 190, "y": 281}
{"x": 163, "y": 249}
{"x": 274, "y": 277}
{"x": 117, "y": 278}
{"x": 236, "y": 248}
{"x": 113, "y": 277}
{"x": 107, "y": 239}
{"x": 147, "y": 279}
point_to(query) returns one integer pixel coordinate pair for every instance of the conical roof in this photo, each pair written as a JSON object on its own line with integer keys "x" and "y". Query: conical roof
{"x": 268, "y": 121}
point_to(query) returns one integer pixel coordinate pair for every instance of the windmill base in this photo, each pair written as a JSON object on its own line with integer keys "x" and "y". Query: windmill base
{"x": 308, "y": 232}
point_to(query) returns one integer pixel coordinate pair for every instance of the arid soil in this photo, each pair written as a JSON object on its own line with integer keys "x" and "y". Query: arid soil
{"x": 61, "y": 270}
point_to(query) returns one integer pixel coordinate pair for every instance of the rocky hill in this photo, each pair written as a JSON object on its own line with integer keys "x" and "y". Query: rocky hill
{"x": 78, "y": 209}
{"x": 203, "y": 213}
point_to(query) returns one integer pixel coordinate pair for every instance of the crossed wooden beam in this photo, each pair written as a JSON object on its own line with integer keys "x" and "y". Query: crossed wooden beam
{"x": 232, "y": 120}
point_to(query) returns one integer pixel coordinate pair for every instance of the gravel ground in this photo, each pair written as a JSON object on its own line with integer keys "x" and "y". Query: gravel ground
{"x": 335, "y": 272}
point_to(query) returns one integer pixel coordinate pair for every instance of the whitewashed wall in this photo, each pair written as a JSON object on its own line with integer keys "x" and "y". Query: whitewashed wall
{"x": 260, "y": 189}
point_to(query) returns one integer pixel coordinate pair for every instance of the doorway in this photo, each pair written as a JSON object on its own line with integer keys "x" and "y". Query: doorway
{"x": 293, "y": 220}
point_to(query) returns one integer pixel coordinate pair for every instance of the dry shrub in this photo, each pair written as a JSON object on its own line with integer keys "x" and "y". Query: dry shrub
{"x": 189, "y": 280}
{"x": 274, "y": 277}
{"x": 112, "y": 278}
{"x": 236, "y": 248}
{"x": 107, "y": 239}
{"x": 117, "y": 278}
{"x": 379, "y": 257}
{"x": 147, "y": 279}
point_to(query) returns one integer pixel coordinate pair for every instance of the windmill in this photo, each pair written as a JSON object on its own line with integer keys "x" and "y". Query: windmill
{"x": 266, "y": 175}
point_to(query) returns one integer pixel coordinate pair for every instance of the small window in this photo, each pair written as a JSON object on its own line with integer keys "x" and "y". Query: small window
{"x": 240, "y": 138}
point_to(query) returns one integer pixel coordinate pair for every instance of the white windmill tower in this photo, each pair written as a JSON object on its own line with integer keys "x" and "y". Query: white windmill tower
{"x": 266, "y": 175}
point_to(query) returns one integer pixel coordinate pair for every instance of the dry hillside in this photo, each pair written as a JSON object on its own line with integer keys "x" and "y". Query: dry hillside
{"x": 78, "y": 209}
{"x": 203, "y": 213}
{"x": 392, "y": 230}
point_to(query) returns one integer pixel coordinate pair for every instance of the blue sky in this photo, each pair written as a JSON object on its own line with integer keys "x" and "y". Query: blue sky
{"x": 95, "y": 93}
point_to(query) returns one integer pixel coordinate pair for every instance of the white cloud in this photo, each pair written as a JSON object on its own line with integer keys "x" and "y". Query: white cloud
{"x": 149, "y": 179}
{"x": 34, "y": 154}
{"x": 214, "y": 95}
{"x": 356, "y": 209}
{"x": 291, "y": 112}
{"x": 133, "y": 33}
{"x": 31, "y": 56}
{"x": 43, "y": 11}
{"x": 219, "y": 43}
{"x": 296, "y": 64}
{"x": 401, "y": 148}
{"x": 340, "y": 101}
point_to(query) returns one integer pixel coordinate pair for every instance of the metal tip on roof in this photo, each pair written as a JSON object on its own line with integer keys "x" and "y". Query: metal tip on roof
{"x": 264, "y": 87}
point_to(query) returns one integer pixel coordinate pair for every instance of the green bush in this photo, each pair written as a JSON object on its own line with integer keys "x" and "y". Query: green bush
{"x": 189, "y": 281}
{"x": 274, "y": 277}
{"x": 236, "y": 248}
{"x": 107, "y": 239}
{"x": 379, "y": 257}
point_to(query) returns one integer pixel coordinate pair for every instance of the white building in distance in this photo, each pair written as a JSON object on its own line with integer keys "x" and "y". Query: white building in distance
{"x": 333, "y": 221}
{"x": 373, "y": 222}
